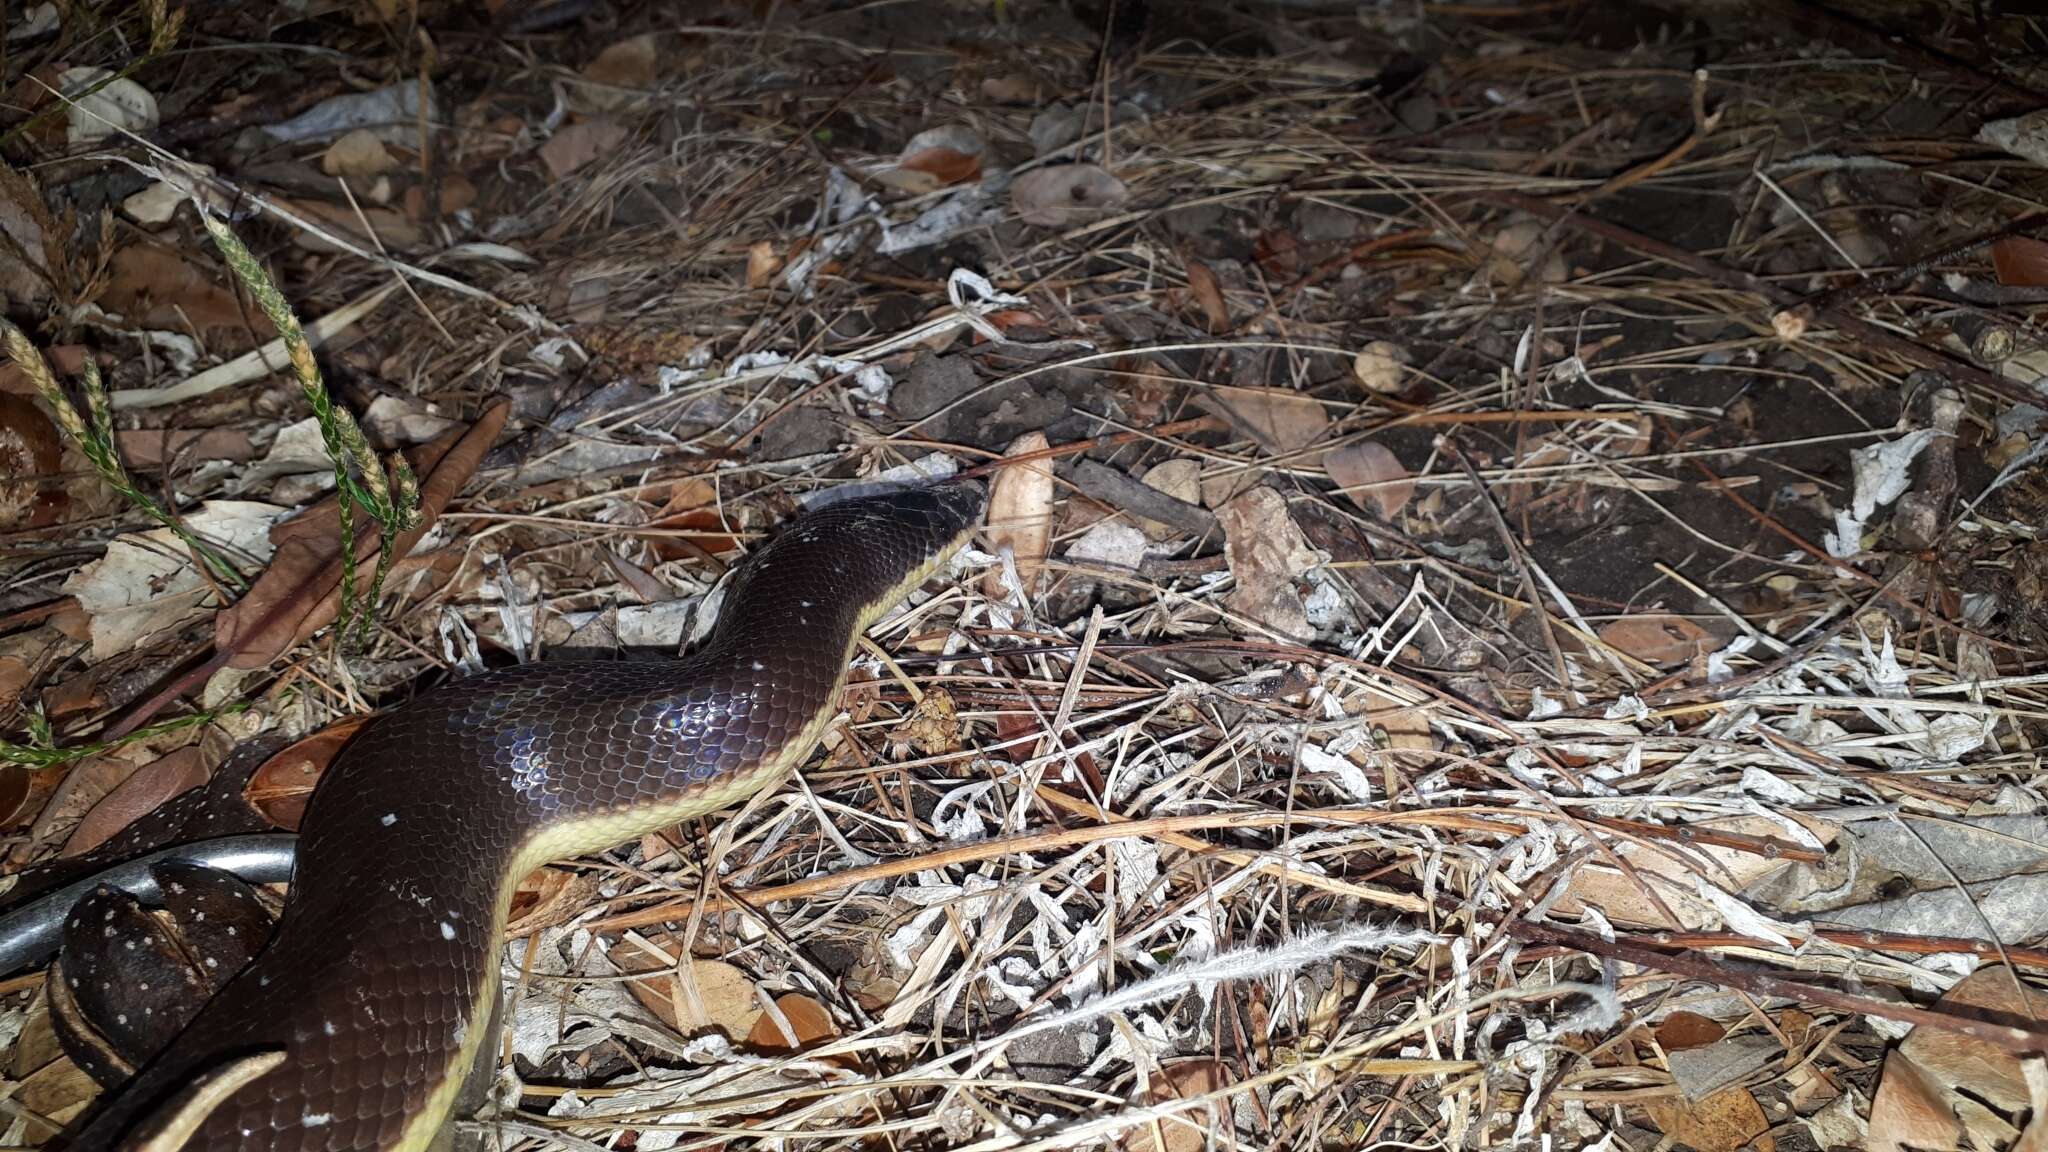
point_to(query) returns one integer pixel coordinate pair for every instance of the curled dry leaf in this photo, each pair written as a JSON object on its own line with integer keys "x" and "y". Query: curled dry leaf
{"x": 1208, "y": 294}
{"x": 1937, "y": 1083}
{"x": 301, "y": 591}
{"x": 30, "y": 451}
{"x": 1727, "y": 1121}
{"x": 1020, "y": 513}
{"x": 580, "y": 143}
{"x": 1066, "y": 194}
{"x": 1266, "y": 551}
{"x": 1189, "y": 1130}
{"x": 136, "y": 797}
{"x": 804, "y": 1017}
{"x": 1280, "y": 419}
{"x": 359, "y": 154}
{"x": 716, "y": 994}
{"x": 282, "y": 785}
{"x": 1382, "y": 366}
{"x": 936, "y": 158}
{"x": 1658, "y": 638}
{"x": 1371, "y": 477}
{"x": 147, "y": 582}
{"x": 620, "y": 75}
{"x": 762, "y": 263}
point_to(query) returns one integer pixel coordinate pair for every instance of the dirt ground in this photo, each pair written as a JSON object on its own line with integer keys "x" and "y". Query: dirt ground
{"x": 1507, "y": 614}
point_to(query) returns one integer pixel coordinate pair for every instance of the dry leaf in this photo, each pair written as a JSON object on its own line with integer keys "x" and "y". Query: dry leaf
{"x": 358, "y": 155}
{"x": 723, "y": 995}
{"x": 1208, "y": 294}
{"x": 1020, "y": 513}
{"x": 282, "y": 785}
{"x": 1623, "y": 899}
{"x": 1681, "y": 1031}
{"x": 1066, "y": 194}
{"x": 115, "y": 104}
{"x": 762, "y": 264}
{"x": 549, "y": 897}
{"x": 1371, "y": 477}
{"x": 1940, "y": 1081}
{"x": 2020, "y": 261}
{"x": 936, "y": 158}
{"x": 155, "y": 447}
{"x": 146, "y": 583}
{"x": 1657, "y": 638}
{"x": 1725, "y": 1122}
{"x": 300, "y": 593}
{"x": 155, "y": 287}
{"x": 931, "y": 729}
{"x": 136, "y": 797}
{"x": 355, "y": 223}
{"x": 1909, "y": 1111}
{"x": 1189, "y": 1131}
{"x": 1266, "y": 552}
{"x": 804, "y": 1016}
{"x": 30, "y": 450}
{"x": 1280, "y": 419}
{"x": 580, "y": 143}
{"x": 1180, "y": 479}
{"x": 621, "y": 75}
{"x": 16, "y": 785}
{"x": 1382, "y": 366}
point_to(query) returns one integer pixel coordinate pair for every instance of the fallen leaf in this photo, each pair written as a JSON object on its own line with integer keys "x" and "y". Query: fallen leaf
{"x": 580, "y": 143}
{"x": 1725, "y": 1122}
{"x": 762, "y": 264}
{"x": 1280, "y": 419}
{"x": 805, "y": 1017}
{"x": 1844, "y": 1123}
{"x": 931, "y": 729}
{"x": 1180, "y": 479}
{"x": 1266, "y": 551}
{"x": 1371, "y": 477}
{"x": 2034, "y": 1138}
{"x": 152, "y": 286}
{"x": 280, "y": 787}
{"x": 31, "y": 452}
{"x": 1208, "y": 294}
{"x": 155, "y": 447}
{"x": 1657, "y": 638}
{"x": 114, "y": 104}
{"x": 1020, "y": 504}
{"x": 1382, "y": 366}
{"x": 300, "y": 593}
{"x": 136, "y": 797}
{"x": 1939, "y": 1081}
{"x": 1624, "y": 899}
{"x": 621, "y": 75}
{"x": 359, "y": 154}
{"x": 1189, "y": 1130}
{"x": 16, "y": 784}
{"x": 1681, "y": 1031}
{"x": 549, "y": 897}
{"x": 2020, "y": 261}
{"x": 936, "y": 158}
{"x": 85, "y": 783}
{"x": 1909, "y": 1111}
{"x": 1066, "y": 194}
{"x": 716, "y": 995}
{"x": 146, "y": 583}
{"x": 355, "y": 223}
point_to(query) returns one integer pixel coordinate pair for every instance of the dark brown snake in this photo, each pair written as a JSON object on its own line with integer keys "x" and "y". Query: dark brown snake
{"x": 355, "y": 1027}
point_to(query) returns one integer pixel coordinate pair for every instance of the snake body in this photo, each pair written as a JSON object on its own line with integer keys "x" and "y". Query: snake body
{"x": 355, "y": 1027}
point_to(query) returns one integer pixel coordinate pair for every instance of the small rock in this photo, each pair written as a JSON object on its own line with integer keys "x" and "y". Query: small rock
{"x": 1418, "y": 113}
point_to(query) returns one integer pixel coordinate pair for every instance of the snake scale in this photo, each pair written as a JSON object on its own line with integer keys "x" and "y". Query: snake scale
{"x": 355, "y": 1027}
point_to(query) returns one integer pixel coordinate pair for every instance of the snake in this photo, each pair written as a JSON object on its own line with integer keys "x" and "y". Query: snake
{"x": 356, "y": 1026}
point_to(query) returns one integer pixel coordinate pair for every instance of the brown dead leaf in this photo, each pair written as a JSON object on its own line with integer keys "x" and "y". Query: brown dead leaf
{"x": 155, "y": 447}
{"x": 805, "y": 1017}
{"x": 284, "y": 783}
{"x": 1266, "y": 552}
{"x": 2034, "y": 1138}
{"x": 31, "y": 452}
{"x": 936, "y": 158}
{"x": 1624, "y": 899}
{"x": 1371, "y": 477}
{"x": 715, "y": 995}
{"x": 1725, "y": 1122}
{"x": 1280, "y": 419}
{"x": 1685, "y": 1030}
{"x": 140, "y": 794}
{"x": 16, "y": 785}
{"x": 300, "y": 593}
{"x": 762, "y": 264}
{"x": 1657, "y": 638}
{"x": 1066, "y": 194}
{"x": 1938, "y": 1080}
{"x": 358, "y": 155}
{"x": 2020, "y": 261}
{"x": 621, "y": 75}
{"x": 1208, "y": 294}
{"x": 357, "y": 224}
{"x": 580, "y": 143}
{"x": 1020, "y": 504}
{"x": 1189, "y": 1132}
{"x": 85, "y": 783}
{"x": 1909, "y": 1111}
{"x": 155, "y": 287}
{"x": 549, "y": 897}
